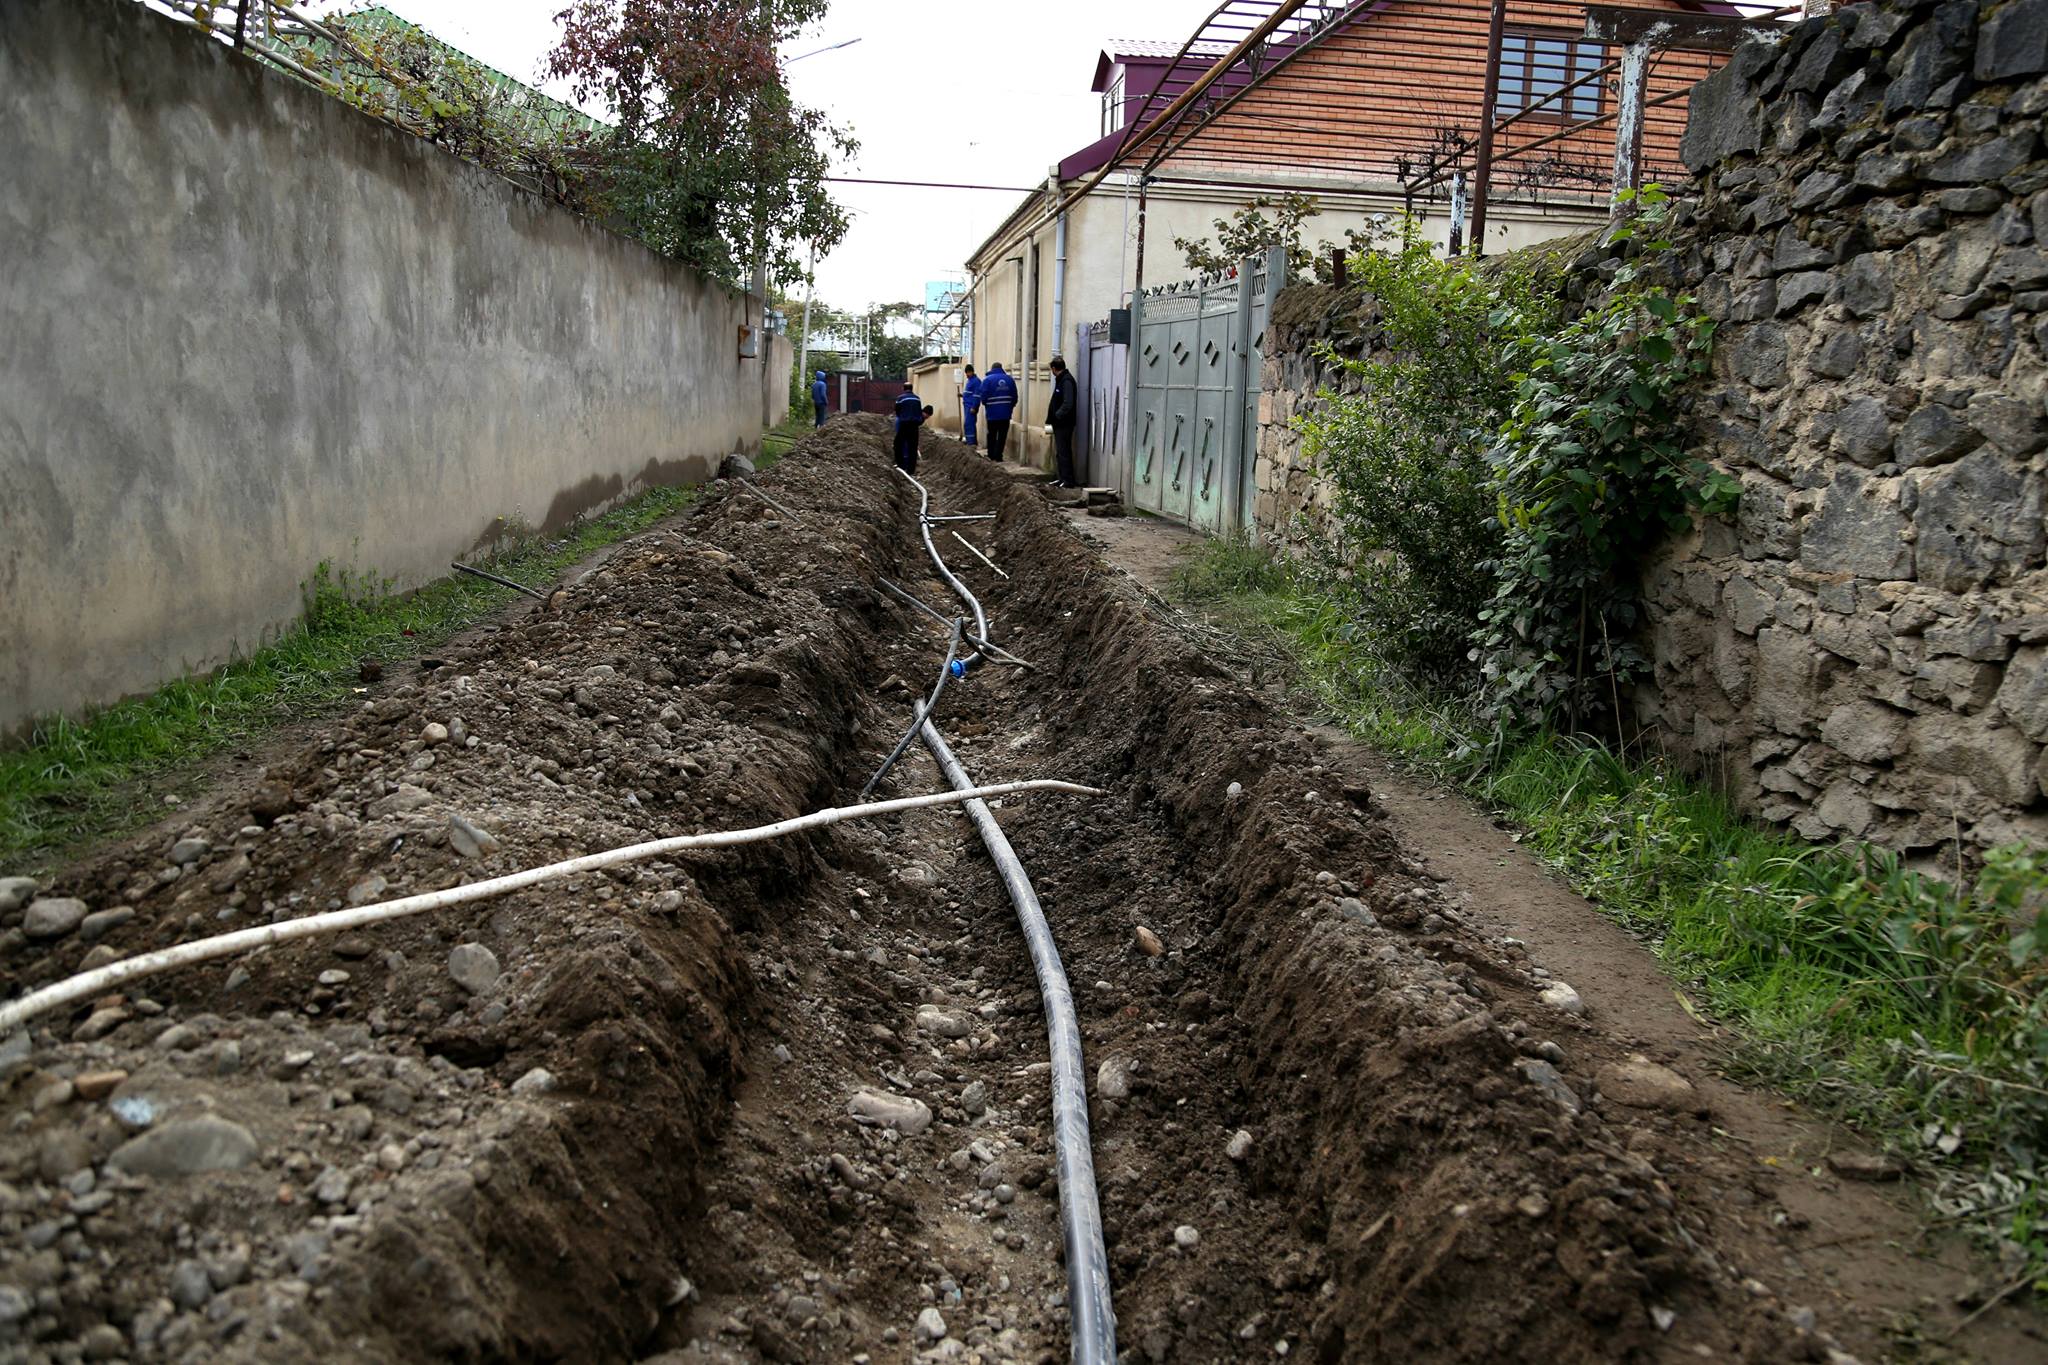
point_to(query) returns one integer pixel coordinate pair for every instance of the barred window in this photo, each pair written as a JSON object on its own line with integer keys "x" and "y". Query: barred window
{"x": 1535, "y": 66}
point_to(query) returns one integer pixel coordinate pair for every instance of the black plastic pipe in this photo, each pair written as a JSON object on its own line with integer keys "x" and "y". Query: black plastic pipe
{"x": 1091, "y": 1316}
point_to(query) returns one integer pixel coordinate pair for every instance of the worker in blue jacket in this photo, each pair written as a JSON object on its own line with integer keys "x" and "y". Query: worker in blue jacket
{"x": 970, "y": 405}
{"x": 818, "y": 397}
{"x": 910, "y": 415}
{"x": 998, "y": 401}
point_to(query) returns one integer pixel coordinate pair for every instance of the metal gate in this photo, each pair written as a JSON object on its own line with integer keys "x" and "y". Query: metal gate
{"x": 1194, "y": 394}
{"x": 1104, "y": 369}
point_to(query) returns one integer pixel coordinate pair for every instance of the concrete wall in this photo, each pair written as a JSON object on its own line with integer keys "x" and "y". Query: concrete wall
{"x": 245, "y": 329}
{"x": 939, "y": 383}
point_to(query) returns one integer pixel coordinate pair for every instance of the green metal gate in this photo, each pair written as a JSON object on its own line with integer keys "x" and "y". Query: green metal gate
{"x": 1194, "y": 394}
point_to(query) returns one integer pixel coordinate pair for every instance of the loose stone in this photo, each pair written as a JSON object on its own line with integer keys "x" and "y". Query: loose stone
{"x": 187, "y": 1147}
{"x": 473, "y": 967}
{"x": 907, "y": 1116}
{"x": 538, "y": 1081}
{"x": 53, "y": 917}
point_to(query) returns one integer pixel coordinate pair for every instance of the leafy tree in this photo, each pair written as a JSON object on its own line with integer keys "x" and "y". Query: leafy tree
{"x": 890, "y": 354}
{"x": 708, "y": 142}
{"x": 1249, "y": 232}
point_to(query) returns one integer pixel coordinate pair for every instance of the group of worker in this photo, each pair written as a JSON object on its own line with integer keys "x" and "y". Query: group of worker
{"x": 993, "y": 399}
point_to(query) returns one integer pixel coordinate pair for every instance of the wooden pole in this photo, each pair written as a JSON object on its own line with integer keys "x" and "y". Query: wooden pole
{"x": 1482, "y": 176}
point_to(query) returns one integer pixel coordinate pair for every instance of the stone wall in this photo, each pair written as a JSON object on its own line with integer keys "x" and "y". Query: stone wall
{"x": 1863, "y": 651}
{"x": 245, "y": 328}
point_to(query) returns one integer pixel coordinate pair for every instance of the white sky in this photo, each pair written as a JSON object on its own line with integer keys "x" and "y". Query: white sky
{"x": 935, "y": 90}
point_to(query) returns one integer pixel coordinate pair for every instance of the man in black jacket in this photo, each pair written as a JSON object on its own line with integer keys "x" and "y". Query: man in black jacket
{"x": 1060, "y": 417}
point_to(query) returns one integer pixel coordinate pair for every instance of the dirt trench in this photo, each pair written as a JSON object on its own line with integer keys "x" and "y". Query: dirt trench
{"x": 1333, "y": 1116}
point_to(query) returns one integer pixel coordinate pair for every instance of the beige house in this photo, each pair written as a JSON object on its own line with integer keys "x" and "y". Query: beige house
{"x": 1043, "y": 271}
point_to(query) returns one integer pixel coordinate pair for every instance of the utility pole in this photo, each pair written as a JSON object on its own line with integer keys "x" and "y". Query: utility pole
{"x": 764, "y": 349}
{"x": 803, "y": 364}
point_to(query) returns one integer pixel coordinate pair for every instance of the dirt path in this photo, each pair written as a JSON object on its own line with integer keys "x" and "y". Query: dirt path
{"x": 1865, "y": 1249}
{"x": 788, "y": 1102}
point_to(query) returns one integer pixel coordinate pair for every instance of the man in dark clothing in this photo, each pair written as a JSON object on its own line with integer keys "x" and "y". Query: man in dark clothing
{"x": 998, "y": 400}
{"x": 1060, "y": 417}
{"x": 910, "y": 413}
{"x": 818, "y": 397}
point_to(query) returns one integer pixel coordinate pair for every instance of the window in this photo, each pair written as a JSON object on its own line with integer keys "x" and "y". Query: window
{"x": 1113, "y": 103}
{"x": 1535, "y": 66}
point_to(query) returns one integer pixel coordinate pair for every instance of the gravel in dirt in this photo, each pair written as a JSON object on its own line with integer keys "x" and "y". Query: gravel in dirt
{"x": 789, "y": 1102}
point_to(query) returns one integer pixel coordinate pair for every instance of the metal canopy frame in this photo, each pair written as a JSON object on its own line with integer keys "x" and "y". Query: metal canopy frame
{"x": 1446, "y": 135}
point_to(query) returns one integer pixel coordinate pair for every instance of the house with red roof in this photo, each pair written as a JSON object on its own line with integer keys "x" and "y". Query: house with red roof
{"x": 1371, "y": 109}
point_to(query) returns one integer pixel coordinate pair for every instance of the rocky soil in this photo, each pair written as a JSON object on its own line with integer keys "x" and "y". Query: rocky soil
{"x": 789, "y": 1102}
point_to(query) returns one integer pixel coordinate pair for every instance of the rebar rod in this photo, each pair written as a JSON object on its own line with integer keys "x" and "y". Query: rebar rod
{"x": 505, "y": 582}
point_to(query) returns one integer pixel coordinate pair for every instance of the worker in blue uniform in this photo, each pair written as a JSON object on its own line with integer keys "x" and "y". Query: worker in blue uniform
{"x": 818, "y": 397}
{"x": 970, "y": 405}
{"x": 998, "y": 401}
{"x": 910, "y": 415}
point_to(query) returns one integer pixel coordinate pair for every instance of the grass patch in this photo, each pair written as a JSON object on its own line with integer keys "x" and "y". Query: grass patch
{"x": 73, "y": 780}
{"x": 1906, "y": 1005}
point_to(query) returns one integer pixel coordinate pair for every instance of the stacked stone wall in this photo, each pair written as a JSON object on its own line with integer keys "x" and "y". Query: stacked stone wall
{"x": 1862, "y": 651}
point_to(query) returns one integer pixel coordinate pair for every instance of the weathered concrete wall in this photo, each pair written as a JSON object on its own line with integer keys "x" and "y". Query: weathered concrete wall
{"x": 1863, "y": 652}
{"x": 244, "y": 329}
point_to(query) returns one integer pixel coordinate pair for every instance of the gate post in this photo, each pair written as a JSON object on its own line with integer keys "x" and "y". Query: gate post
{"x": 1082, "y": 367}
{"x": 1236, "y": 421}
{"x": 1134, "y": 356}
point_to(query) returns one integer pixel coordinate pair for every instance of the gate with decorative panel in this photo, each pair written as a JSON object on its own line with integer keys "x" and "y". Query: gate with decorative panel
{"x": 1193, "y": 394}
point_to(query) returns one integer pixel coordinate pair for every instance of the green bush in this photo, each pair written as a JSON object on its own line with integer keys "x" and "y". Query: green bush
{"x": 1406, "y": 454}
{"x": 1502, "y": 471}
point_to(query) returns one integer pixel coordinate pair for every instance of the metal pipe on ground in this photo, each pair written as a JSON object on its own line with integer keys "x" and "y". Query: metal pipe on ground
{"x": 503, "y": 582}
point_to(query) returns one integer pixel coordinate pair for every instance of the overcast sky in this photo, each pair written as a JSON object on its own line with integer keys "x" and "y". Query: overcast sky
{"x": 935, "y": 90}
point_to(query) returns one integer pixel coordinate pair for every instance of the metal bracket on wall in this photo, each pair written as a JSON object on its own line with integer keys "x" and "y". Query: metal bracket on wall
{"x": 1145, "y": 466}
{"x": 1209, "y": 468}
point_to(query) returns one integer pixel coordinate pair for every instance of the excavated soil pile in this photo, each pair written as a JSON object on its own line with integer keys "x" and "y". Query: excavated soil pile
{"x": 790, "y": 1102}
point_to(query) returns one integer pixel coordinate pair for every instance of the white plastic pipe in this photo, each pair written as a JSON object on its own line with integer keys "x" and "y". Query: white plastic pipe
{"x": 85, "y": 985}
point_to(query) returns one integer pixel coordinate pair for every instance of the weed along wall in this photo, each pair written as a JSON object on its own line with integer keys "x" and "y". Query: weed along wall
{"x": 1861, "y": 650}
{"x": 245, "y": 329}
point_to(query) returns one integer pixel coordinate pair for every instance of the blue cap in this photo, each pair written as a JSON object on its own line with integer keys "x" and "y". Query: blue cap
{"x": 959, "y": 669}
